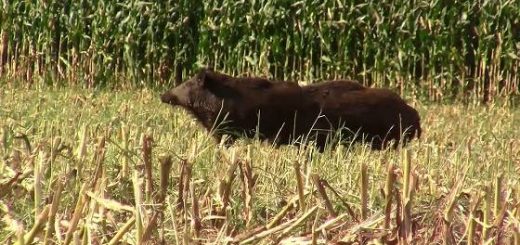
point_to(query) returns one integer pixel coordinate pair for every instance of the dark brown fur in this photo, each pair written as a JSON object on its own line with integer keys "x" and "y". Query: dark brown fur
{"x": 284, "y": 112}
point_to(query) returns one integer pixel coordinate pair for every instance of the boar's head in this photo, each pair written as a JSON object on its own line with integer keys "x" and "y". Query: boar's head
{"x": 203, "y": 95}
{"x": 203, "y": 88}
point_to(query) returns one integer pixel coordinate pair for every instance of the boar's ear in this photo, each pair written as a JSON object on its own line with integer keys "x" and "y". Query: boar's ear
{"x": 201, "y": 76}
{"x": 204, "y": 75}
{"x": 216, "y": 84}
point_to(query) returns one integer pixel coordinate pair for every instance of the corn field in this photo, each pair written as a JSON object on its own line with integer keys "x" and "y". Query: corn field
{"x": 114, "y": 165}
{"x": 436, "y": 49}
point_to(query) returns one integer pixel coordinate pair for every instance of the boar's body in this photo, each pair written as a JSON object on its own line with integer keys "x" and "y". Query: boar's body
{"x": 374, "y": 115}
{"x": 260, "y": 108}
{"x": 284, "y": 112}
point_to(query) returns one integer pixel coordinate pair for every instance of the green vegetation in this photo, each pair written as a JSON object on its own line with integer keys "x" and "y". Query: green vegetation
{"x": 436, "y": 49}
{"x": 84, "y": 159}
{"x": 459, "y": 180}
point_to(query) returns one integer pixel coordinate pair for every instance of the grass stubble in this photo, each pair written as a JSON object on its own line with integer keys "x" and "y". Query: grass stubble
{"x": 106, "y": 167}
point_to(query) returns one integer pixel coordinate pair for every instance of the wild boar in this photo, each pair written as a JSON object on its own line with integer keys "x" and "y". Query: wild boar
{"x": 284, "y": 112}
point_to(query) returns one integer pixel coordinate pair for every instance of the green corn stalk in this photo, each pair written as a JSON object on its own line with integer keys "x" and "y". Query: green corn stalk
{"x": 96, "y": 43}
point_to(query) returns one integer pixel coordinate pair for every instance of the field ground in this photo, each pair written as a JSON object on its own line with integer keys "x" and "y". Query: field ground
{"x": 458, "y": 183}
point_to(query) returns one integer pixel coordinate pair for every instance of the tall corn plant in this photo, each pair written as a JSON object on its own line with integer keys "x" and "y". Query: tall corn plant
{"x": 437, "y": 49}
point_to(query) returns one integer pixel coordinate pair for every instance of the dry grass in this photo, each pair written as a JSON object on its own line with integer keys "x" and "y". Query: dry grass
{"x": 110, "y": 167}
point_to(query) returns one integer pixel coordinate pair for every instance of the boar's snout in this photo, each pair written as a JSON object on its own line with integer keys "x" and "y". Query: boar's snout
{"x": 168, "y": 98}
